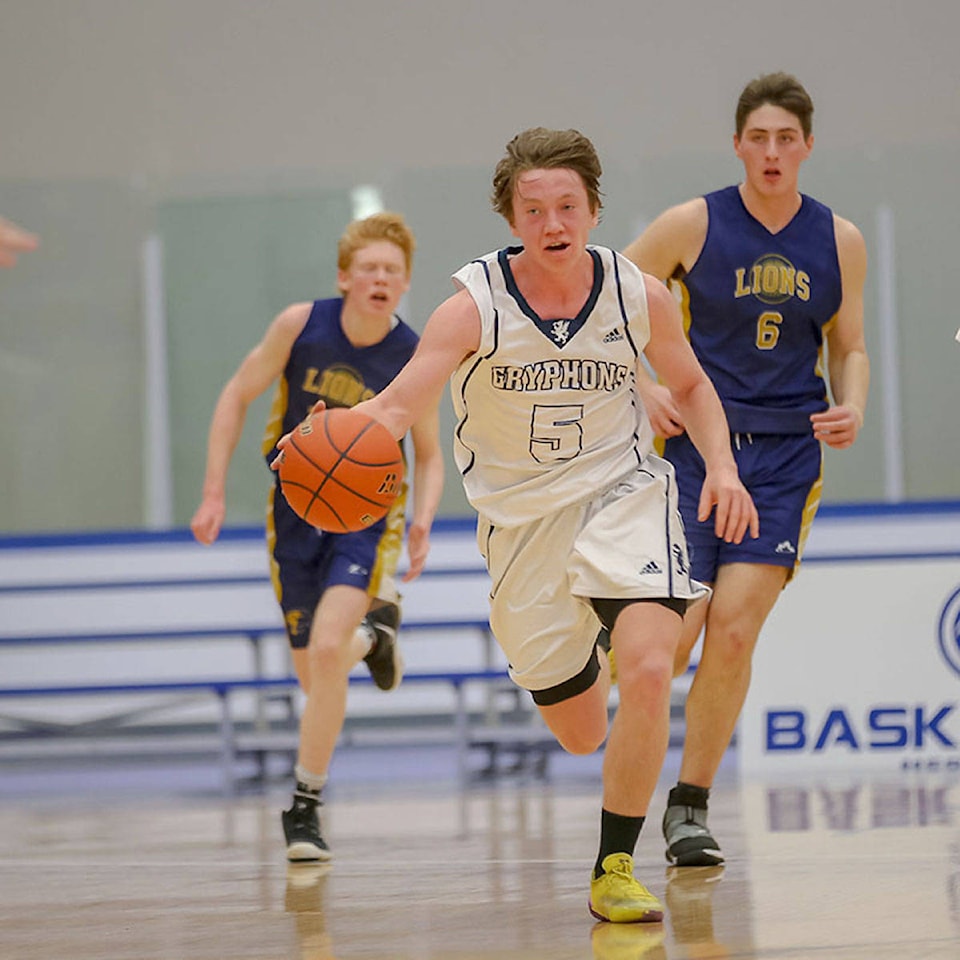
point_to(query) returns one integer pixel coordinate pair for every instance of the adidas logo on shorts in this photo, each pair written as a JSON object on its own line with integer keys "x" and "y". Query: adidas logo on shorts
{"x": 651, "y": 567}
{"x": 785, "y": 546}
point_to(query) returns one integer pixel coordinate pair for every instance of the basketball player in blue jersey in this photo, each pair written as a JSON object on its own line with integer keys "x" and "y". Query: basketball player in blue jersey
{"x": 765, "y": 276}
{"x": 336, "y": 591}
{"x": 578, "y": 522}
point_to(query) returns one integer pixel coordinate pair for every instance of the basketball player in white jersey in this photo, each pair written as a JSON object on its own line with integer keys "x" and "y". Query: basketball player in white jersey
{"x": 578, "y": 522}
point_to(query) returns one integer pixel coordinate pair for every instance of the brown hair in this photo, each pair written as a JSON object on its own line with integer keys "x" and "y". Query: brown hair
{"x": 379, "y": 226}
{"x": 780, "y": 89}
{"x": 543, "y": 149}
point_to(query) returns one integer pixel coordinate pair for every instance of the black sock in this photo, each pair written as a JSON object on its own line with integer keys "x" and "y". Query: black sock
{"x": 687, "y": 795}
{"x": 617, "y": 835}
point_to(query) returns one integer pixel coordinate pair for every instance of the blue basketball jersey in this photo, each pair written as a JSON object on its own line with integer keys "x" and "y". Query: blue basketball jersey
{"x": 325, "y": 365}
{"x": 756, "y": 305}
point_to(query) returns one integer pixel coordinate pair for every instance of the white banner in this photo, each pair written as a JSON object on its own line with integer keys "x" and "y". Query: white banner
{"x": 858, "y": 668}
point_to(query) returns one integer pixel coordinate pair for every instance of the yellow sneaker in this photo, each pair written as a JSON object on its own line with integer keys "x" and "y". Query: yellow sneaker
{"x": 627, "y": 941}
{"x": 616, "y": 895}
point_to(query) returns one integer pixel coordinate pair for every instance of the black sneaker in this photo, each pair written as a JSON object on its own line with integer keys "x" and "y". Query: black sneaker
{"x": 384, "y": 660}
{"x": 689, "y": 843}
{"x": 301, "y": 828}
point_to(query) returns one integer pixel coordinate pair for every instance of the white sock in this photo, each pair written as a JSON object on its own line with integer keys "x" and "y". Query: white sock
{"x": 312, "y": 781}
{"x": 366, "y": 637}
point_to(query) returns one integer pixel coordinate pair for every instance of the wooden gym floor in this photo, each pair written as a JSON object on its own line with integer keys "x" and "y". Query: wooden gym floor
{"x": 96, "y": 866}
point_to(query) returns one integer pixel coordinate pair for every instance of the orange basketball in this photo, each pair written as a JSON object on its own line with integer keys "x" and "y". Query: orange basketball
{"x": 341, "y": 470}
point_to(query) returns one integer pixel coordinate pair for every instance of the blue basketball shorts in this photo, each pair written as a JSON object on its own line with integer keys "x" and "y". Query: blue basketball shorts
{"x": 305, "y": 561}
{"x": 782, "y": 472}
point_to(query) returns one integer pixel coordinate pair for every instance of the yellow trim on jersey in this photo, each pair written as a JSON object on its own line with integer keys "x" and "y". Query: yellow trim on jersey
{"x": 382, "y": 583}
{"x": 682, "y": 295}
{"x": 271, "y": 530}
{"x": 827, "y": 327}
{"x": 278, "y": 408}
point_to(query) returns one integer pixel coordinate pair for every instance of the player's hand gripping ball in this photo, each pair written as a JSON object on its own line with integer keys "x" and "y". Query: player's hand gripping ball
{"x": 341, "y": 471}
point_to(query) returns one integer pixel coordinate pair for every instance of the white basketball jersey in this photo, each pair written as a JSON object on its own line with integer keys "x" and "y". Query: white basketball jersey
{"x": 547, "y": 411}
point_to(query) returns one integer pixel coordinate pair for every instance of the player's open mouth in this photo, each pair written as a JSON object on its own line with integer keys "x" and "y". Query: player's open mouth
{"x": 557, "y": 246}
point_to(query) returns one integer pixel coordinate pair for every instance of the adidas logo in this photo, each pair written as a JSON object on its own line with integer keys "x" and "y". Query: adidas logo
{"x": 651, "y": 567}
{"x": 785, "y": 546}
{"x": 613, "y": 336}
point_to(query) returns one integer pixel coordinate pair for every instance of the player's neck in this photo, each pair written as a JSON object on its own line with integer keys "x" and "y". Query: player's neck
{"x": 558, "y": 292}
{"x": 774, "y": 211}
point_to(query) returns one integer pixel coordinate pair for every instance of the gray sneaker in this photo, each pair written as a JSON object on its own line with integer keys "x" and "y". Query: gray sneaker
{"x": 689, "y": 843}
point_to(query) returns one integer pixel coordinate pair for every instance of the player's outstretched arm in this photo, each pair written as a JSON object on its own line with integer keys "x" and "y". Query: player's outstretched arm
{"x": 260, "y": 368}
{"x": 452, "y": 333}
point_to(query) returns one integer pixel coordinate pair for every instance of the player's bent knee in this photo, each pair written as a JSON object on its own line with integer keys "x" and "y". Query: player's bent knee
{"x": 325, "y": 658}
{"x": 647, "y": 681}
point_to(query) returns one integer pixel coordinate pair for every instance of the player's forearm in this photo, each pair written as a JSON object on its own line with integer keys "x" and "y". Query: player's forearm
{"x": 707, "y": 424}
{"x": 427, "y": 488}
{"x": 390, "y": 408}
{"x": 403, "y": 402}
{"x": 850, "y": 381}
{"x": 226, "y": 427}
